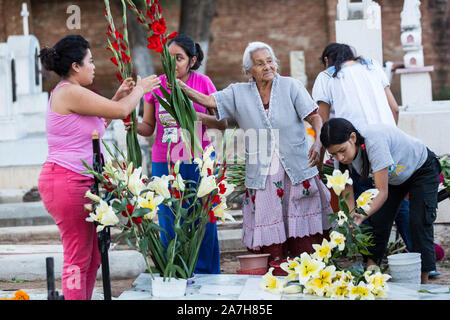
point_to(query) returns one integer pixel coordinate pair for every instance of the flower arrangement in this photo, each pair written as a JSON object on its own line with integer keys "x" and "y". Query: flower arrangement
{"x": 176, "y": 102}
{"x": 119, "y": 46}
{"x": 129, "y": 201}
{"x": 19, "y": 295}
{"x": 319, "y": 273}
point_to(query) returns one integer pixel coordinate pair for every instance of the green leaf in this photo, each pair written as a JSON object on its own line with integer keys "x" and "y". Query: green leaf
{"x": 140, "y": 212}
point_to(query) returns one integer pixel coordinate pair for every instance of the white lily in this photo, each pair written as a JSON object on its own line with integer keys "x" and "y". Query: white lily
{"x": 135, "y": 183}
{"x": 308, "y": 268}
{"x": 208, "y": 163}
{"x": 290, "y": 267}
{"x": 340, "y": 289}
{"x": 323, "y": 251}
{"x": 207, "y": 185}
{"x": 365, "y": 199}
{"x": 271, "y": 283}
{"x": 178, "y": 183}
{"x": 321, "y": 283}
{"x": 104, "y": 215}
{"x": 338, "y": 240}
{"x": 161, "y": 185}
{"x": 220, "y": 212}
{"x": 338, "y": 181}
{"x": 362, "y": 291}
{"x": 150, "y": 201}
{"x": 378, "y": 280}
{"x": 292, "y": 289}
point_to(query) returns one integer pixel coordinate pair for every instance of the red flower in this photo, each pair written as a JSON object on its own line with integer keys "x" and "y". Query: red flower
{"x": 140, "y": 20}
{"x": 123, "y": 46}
{"x": 172, "y": 35}
{"x": 115, "y": 45}
{"x": 119, "y": 77}
{"x": 154, "y": 42}
{"x": 212, "y": 218}
{"x": 114, "y": 60}
{"x": 158, "y": 27}
{"x": 127, "y": 119}
{"x": 306, "y": 184}
{"x": 129, "y": 210}
{"x": 125, "y": 58}
{"x": 222, "y": 188}
{"x": 280, "y": 193}
{"x": 216, "y": 199}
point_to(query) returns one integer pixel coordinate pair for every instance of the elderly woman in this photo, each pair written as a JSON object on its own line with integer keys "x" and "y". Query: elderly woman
{"x": 286, "y": 203}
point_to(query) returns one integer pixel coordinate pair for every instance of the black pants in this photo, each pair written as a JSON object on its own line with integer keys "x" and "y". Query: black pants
{"x": 422, "y": 187}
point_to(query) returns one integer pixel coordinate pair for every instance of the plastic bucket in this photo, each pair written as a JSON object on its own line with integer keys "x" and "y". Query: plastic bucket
{"x": 168, "y": 289}
{"x": 405, "y": 267}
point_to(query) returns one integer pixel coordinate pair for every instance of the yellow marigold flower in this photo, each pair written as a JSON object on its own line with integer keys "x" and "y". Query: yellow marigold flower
{"x": 21, "y": 295}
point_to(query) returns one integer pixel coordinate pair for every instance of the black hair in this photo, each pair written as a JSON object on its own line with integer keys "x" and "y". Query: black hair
{"x": 70, "y": 49}
{"x": 337, "y": 54}
{"x": 337, "y": 131}
{"x": 191, "y": 48}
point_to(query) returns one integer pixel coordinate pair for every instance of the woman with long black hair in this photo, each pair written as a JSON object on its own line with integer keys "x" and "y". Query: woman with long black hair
{"x": 399, "y": 164}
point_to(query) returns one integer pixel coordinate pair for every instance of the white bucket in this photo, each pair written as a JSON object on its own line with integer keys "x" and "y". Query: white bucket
{"x": 169, "y": 288}
{"x": 405, "y": 267}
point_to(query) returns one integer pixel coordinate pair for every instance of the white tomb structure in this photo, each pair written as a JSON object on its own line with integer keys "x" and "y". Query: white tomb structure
{"x": 415, "y": 77}
{"x": 23, "y": 146}
{"x": 358, "y": 24}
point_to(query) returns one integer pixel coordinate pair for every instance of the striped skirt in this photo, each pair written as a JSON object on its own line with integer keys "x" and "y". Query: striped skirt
{"x": 283, "y": 210}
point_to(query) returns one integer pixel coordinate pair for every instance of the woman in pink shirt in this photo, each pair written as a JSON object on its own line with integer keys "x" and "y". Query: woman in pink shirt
{"x": 189, "y": 56}
{"x": 73, "y": 112}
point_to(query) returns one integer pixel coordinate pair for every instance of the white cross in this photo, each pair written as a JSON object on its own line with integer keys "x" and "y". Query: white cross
{"x": 25, "y": 15}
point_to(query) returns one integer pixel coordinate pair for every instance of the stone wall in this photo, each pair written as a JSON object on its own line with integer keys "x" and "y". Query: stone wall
{"x": 287, "y": 25}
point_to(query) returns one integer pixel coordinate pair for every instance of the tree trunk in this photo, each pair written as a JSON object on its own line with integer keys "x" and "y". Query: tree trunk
{"x": 195, "y": 21}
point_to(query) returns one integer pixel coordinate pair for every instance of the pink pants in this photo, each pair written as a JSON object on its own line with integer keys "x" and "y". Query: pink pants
{"x": 62, "y": 192}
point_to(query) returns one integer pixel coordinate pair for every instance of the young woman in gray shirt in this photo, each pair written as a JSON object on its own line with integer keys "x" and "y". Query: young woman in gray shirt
{"x": 399, "y": 164}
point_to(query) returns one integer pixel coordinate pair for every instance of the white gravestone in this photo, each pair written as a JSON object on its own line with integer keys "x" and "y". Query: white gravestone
{"x": 11, "y": 123}
{"x": 32, "y": 102}
{"x": 365, "y": 17}
{"x": 297, "y": 64}
{"x": 415, "y": 77}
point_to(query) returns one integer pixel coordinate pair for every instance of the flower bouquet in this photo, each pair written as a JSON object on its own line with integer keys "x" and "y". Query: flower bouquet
{"x": 119, "y": 46}
{"x": 320, "y": 273}
{"x": 176, "y": 102}
{"x": 129, "y": 201}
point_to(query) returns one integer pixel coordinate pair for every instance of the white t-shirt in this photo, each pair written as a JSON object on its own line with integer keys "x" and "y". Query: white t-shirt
{"x": 356, "y": 94}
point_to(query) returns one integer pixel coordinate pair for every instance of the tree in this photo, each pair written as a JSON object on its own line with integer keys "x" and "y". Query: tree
{"x": 195, "y": 20}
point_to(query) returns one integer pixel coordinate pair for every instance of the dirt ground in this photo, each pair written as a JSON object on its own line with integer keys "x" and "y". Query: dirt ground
{"x": 229, "y": 265}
